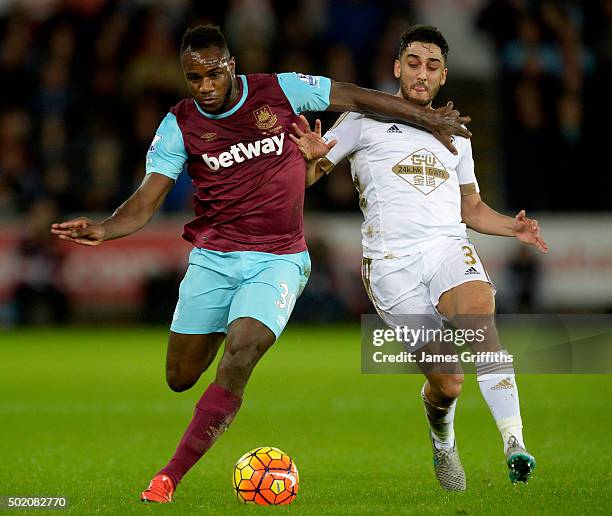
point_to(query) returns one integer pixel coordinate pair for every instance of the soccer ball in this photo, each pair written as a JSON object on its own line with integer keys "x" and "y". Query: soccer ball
{"x": 266, "y": 476}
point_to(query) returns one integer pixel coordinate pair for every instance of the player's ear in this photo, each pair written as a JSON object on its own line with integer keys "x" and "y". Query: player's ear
{"x": 397, "y": 69}
{"x": 443, "y": 79}
{"x": 232, "y": 66}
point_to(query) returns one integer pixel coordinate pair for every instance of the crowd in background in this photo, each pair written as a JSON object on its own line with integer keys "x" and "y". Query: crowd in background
{"x": 555, "y": 63}
{"x": 85, "y": 84}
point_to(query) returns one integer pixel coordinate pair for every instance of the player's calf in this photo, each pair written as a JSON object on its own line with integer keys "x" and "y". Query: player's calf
{"x": 443, "y": 389}
{"x": 213, "y": 414}
{"x": 440, "y": 408}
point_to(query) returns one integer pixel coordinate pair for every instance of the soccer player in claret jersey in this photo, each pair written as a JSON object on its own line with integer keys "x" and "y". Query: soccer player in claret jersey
{"x": 419, "y": 265}
{"x": 249, "y": 261}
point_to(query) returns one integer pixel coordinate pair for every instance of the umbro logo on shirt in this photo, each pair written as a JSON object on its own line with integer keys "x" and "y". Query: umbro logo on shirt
{"x": 471, "y": 270}
{"x": 394, "y": 129}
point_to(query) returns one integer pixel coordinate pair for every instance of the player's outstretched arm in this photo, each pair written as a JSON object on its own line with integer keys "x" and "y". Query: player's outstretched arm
{"x": 312, "y": 146}
{"x": 480, "y": 217}
{"x": 131, "y": 216}
{"x": 443, "y": 122}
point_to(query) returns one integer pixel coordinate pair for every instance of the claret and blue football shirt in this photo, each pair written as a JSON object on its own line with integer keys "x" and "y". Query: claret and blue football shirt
{"x": 249, "y": 176}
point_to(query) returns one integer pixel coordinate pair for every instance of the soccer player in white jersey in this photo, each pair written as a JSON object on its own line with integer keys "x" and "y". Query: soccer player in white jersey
{"x": 417, "y": 199}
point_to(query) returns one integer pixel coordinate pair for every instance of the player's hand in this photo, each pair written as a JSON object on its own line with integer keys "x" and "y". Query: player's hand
{"x": 445, "y": 122}
{"x": 80, "y": 231}
{"x": 528, "y": 231}
{"x": 311, "y": 143}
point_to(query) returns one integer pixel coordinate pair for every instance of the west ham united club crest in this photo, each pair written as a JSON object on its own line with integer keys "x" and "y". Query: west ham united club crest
{"x": 264, "y": 118}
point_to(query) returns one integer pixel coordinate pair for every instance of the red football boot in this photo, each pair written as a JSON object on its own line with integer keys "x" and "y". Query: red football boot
{"x": 160, "y": 490}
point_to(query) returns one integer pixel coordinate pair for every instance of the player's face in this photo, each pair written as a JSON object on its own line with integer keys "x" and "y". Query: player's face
{"x": 421, "y": 72}
{"x": 210, "y": 74}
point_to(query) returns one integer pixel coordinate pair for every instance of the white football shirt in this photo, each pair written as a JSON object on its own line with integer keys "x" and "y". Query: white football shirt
{"x": 408, "y": 183}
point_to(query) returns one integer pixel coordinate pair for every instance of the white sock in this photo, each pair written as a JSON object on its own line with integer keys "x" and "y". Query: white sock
{"x": 498, "y": 387}
{"x": 440, "y": 422}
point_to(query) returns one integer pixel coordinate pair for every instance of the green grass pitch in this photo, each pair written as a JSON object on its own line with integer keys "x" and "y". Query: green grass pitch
{"x": 86, "y": 414}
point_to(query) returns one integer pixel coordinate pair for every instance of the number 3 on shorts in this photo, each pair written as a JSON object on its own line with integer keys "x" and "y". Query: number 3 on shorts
{"x": 287, "y": 300}
{"x": 468, "y": 252}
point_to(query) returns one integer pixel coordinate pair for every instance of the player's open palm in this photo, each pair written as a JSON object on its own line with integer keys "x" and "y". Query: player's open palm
{"x": 80, "y": 231}
{"x": 311, "y": 143}
{"x": 528, "y": 231}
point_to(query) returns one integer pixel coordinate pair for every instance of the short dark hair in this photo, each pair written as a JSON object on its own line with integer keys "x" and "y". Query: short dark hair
{"x": 426, "y": 34}
{"x": 203, "y": 36}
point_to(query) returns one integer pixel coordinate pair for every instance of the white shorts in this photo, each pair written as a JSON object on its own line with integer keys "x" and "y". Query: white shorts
{"x": 413, "y": 284}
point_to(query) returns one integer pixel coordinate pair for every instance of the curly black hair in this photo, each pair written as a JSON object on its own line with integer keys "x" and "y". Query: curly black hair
{"x": 425, "y": 34}
{"x": 203, "y": 36}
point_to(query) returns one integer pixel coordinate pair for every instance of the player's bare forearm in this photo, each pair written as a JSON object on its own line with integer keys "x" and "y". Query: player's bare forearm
{"x": 138, "y": 210}
{"x": 349, "y": 97}
{"x": 484, "y": 219}
{"x": 313, "y": 172}
{"x": 442, "y": 122}
{"x": 131, "y": 216}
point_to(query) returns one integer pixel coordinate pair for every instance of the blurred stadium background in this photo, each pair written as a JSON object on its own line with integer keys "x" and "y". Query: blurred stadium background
{"x": 85, "y": 84}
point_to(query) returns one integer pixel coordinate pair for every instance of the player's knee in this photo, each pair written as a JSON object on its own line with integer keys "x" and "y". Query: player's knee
{"x": 240, "y": 357}
{"x": 237, "y": 364}
{"x": 179, "y": 382}
{"x": 449, "y": 388}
